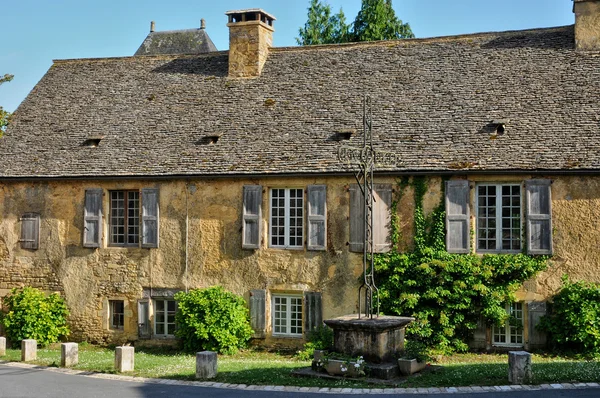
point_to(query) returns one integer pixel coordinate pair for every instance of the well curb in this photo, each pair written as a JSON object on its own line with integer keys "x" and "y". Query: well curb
{"x": 328, "y": 390}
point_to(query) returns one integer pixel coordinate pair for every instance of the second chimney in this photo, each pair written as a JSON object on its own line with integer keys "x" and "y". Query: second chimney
{"x": 250, "y": 36}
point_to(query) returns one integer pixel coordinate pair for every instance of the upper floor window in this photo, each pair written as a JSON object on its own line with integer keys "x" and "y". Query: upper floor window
{"x": 499, "y": 217}
{"x": 287, "y": 218}
{"x": 124, "y": 218}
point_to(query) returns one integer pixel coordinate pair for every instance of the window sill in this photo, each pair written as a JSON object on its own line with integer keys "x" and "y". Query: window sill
{"x": 287, "y": 336}
{"x": 294, "y": 248}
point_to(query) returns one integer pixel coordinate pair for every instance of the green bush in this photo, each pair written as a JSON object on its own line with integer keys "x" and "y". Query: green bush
{"x": 319, "y": 339}
{"x": 574, "y": 322}
{"x": 212, "y": 319}
{"x": 30, "y": 314}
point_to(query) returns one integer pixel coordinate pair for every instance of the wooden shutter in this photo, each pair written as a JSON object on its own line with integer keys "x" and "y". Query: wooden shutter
{"x": 539, "y": 217}
{"x": 144, "y": 329}
{"x": 313, "y": 313}
{"x": 381, "y": 218}
{"x": 317, "y": 217}
{"x": 150, "y": 224}
{"x": 30, "y": 231}
{"x": 92, "y": 218}
{"x": 458, "y": 231}
{"x": 258, "y": 312}
{"x": 535, "y": 311}
{"x": 251, "y": 216}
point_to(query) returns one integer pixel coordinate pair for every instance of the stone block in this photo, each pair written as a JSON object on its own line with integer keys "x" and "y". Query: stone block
{"x": 124, "y": 359}
{"x": 206, "y": 365}
{"x": 410, "y": 366}
{"x": 69, "y": 354}
{"x": 384, "y": 371}
{"x": 28, "y": 350}
{"x": 519, "y": 367}
{"x": 2, "y": 346}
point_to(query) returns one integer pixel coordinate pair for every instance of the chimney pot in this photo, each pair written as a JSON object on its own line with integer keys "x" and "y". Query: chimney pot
{"x": 152, "y": 26}
{"x": 202, "y": 24}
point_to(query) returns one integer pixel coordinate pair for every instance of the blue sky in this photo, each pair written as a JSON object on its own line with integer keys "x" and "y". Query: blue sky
{"x": 34, "y": 32}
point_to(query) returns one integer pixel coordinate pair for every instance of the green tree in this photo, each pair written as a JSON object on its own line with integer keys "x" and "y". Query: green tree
{"x": 322, "y": 27}
{"x": 4, "y": 115}
{"x": 376, "y": 20}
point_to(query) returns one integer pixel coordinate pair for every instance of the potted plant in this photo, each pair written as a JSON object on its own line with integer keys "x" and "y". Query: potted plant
{"x": 413, "y": 358}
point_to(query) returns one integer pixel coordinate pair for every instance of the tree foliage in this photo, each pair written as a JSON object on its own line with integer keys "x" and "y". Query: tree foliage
{"x": 4, "y": 115}
{"x": 30, "y": 314}
{"x": 212, "y": 319}
{"x": 376, "y": 20}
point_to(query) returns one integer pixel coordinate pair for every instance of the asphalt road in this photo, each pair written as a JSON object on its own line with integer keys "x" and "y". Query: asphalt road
{"x": 27, "y": 382}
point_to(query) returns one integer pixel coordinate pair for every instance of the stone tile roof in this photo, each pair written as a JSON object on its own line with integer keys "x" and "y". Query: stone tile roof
{"x": 433, "y": 100}
{"x": 188, "y": 41}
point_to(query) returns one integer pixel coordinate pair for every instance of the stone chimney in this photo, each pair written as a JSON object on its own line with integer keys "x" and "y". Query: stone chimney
{"x": 250, "y": 36}
{"x": 587, "y": 24}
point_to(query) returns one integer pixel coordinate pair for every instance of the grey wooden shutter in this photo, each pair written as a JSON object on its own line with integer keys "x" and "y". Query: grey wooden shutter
{"x": 258, "y": 320}
{"x": 144, "y": 329}
{"x": 30, "y": 231}
{"x": 539, "y": 217}
{"x": 458, "y": 236}
{"x": 251, "y": 216}
{"x": 535, "y": 311}
{"x": 150, "y": 217}
{"x": 357, "y": 237}
{"x": 92, "y": 218}
{"x": 382, "y": 217}
{"x": 317, "y": 217}
{"x": 313, "y": 312}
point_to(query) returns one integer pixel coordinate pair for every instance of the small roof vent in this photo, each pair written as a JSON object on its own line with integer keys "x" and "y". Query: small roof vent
{"x": 209, "y": 139}
{"x": 93, "y": 141}
{"x": 342, "y": 135}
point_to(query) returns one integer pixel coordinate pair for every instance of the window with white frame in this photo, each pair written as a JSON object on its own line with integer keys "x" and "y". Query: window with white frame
{"x": 511, "y": 333}
{"x": 124, "y": 217}
{"x": 116, "y": 314}
{"x": 164, "y": 317}
{"x": 499, "y": 217}
{"x": 287, "y": 315}
{"x": 287, "y": 218}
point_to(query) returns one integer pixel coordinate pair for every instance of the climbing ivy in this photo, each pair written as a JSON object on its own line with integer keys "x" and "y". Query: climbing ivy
{"x": 446, "y": 293}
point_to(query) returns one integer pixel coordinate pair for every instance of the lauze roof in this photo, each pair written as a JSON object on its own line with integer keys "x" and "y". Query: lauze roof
{"x": 433, "y": 101}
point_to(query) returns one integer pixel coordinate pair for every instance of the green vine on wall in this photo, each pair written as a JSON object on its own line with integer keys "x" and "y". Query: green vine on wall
{"x": 446, "y": 293}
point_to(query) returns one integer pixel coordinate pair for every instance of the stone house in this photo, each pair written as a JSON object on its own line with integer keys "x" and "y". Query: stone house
{"x": 124, "y": 180}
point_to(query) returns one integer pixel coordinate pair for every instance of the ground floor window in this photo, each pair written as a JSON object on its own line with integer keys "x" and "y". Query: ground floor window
{"x": 287, "y": 315}
{"x": 164, "y": 317}
{"x": 512, "y": 331}
{"x": 116, "y": 314}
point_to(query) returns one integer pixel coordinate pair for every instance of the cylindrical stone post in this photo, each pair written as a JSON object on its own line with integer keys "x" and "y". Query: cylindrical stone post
{"x": 519, "y": 367}
{"x": 206, "y": 365}
{"x": 69, "y": 354}
{"x": 124, "y": 359}
{"x": 28, "y": 350}
{"x": 2, "y": 346}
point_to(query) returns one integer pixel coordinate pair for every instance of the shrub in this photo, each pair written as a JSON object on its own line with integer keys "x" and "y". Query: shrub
{"x": 30, "y": 314}
{"x": 574, "y": 322}
{"x": 319, "y": 339}
{"x": 212, "y": 319}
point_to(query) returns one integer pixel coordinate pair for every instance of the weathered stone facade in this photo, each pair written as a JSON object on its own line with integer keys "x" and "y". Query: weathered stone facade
{"x": 88, "y": 277}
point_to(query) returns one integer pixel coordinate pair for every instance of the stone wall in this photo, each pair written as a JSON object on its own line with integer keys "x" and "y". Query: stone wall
{"x": 587, "y": 24}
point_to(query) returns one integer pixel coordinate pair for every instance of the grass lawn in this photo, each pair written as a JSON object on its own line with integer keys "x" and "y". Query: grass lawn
{"x": 266, "y": 368}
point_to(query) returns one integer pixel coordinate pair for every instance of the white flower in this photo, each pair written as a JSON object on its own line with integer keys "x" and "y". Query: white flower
{"x": 357, "y": 365}
{"x": 343, "y": 368}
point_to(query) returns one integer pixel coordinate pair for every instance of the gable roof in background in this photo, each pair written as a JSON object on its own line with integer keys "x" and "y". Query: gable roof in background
{"x": 187, "y": 41}
{"x": 434, "y": 103}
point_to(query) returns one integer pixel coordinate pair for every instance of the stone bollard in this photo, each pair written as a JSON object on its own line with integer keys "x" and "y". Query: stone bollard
{"x": 28, "y": 350}
{"x": 69, "y": 354}
{"x": 519, "y": 367}
{"x": 2, "y": 346}
{"x": 124, "y": 359}
{"x": 206, "y": 365}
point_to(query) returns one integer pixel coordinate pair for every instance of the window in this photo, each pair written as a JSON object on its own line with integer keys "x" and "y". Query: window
{"x": 287, "y": 218}
{"x": 164, "y": 317}
{"x": 512, "y": 332}
{"x": 30, "y": 231}
{"x": 287, "y": 315}
{"x": 499, "y": 217}
{"x": 116, "y": 314}
{"x": 124, "y": 217}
